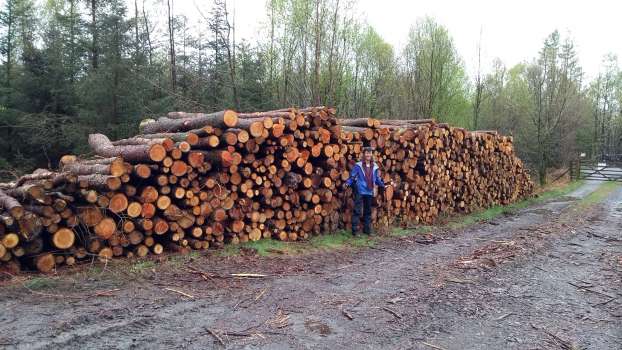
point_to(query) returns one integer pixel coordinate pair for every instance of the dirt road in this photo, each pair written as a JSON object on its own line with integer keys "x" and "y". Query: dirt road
{"x": 547, "y": 277}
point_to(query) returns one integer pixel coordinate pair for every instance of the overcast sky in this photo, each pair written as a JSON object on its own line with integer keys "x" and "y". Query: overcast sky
{"x": 511, "y": 30}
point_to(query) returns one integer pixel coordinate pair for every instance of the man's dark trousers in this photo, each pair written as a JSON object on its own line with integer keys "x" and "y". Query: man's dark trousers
{"x": 362, "y": 205}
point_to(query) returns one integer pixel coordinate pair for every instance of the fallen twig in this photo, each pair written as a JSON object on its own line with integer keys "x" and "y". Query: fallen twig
{"x": 604, "y": 302}
{"x": 347, "y": 314}
{"x": 215, "y": 336}
{"x": 52, "y": 295}
{"x": 248, "y": 275}
{"x": 587, "y": 289}
{"x": 206, "y": 276}
{"x": 260, "y": 294}
{"x": 180, "y": 292}
{"x": 105, "y": 293}
{"x": 456, "y": 280}
{"x": 504, "y": 316}
{"x": 433, "y": 346}
{"x": 392, "y": 312}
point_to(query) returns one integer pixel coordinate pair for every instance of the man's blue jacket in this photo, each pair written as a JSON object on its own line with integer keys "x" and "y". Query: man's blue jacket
{"x": 357, "y": 176}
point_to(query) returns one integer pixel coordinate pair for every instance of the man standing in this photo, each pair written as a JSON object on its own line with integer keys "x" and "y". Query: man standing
{"x": 363, "y": 179}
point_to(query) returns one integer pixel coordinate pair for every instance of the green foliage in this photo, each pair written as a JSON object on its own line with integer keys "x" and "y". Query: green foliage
{"x": 434, "y": 75}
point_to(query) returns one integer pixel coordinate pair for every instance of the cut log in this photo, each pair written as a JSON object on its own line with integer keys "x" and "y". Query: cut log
{"x": 360, "y": 122}
{"x": 114, "y": 168}
{"x": 27, "y": 191}
{"x": 118, "y": 203}
{"x": 98, "y": 181}
{"x": 223, "y": 119}
{"x": 10, "y": 240}
{"x": 105, "y": 228}
{"x": 63, "y": 238}
{"x": 101, "y": 145}
{"x": 11, "y": 205}
{"x": 30, "y": 226}
{"x": 134, "y": 209}
{"x": 45, "y": 262}
{"x": 254, "y": 127}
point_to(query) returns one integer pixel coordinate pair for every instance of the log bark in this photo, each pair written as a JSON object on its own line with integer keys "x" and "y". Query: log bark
{"x": 223, "y": 119}
{"x": 102, "y": 146}
{"x": 11, "y": 205}
{"x": 115, "y": 168}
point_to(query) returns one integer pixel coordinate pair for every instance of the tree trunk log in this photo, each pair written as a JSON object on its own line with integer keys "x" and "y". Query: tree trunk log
{"x": 223, "y": 119}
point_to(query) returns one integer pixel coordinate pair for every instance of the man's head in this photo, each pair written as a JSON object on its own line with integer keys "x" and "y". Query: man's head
{"x": 368, "y": 154}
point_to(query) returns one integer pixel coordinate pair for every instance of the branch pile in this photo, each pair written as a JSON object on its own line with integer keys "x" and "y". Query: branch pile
{"x": 195, "y": 180}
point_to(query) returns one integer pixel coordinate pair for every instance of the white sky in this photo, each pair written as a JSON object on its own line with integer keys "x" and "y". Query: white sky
{"x": 511, "y": 30}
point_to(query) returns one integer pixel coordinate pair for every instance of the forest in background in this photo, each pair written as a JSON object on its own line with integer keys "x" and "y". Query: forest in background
{"x": 72, "y": 67}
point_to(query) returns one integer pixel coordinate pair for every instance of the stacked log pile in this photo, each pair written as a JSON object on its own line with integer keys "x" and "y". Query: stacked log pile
{"x": 195, "y": 180}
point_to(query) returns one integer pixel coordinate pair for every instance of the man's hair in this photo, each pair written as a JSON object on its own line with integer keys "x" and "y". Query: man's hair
{"x": 368, "y": 149}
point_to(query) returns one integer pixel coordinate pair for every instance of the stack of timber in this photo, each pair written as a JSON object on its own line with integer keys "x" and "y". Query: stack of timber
{"x": 196, "y": 180}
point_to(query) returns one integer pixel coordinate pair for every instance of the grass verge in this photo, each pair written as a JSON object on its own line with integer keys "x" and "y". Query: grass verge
{"x": 39, "y": 283}
{"x": 270, "y": 247}
{"x": 599, "y": 195}
{"x": 462, "y": 221}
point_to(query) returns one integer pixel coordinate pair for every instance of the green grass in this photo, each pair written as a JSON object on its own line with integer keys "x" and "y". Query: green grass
{"x": 178, "y": 260}
{"x": 270, "y": 247}
{"x": 556, "y": 192}
{"x": 41, "y": 283}
{"x": 405, "y": 232}
{"x": 263, "y": 247}
{"x": 462, "y": 221}
{"x": 140, "y": 266}
{"x": 339, "y": 240}
{"x": 599, "y": 195}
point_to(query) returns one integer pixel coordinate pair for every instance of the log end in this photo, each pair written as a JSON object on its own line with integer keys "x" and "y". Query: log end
{"x": 10, "y": 240}
{"x": 45, "y": 263}
{"x": 117, "y": 167}
{"x": 106, "y": 228}
{"x": 118, "y": 203}
{"x": 63, "y": 238}
{"x": 230, "y": 118}
{"x": 157, "y": 153}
